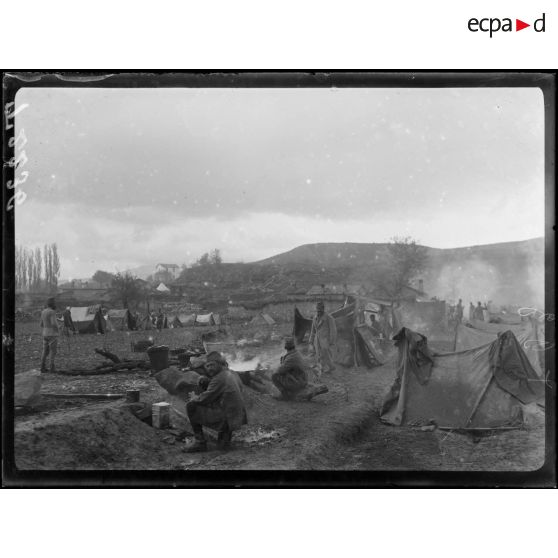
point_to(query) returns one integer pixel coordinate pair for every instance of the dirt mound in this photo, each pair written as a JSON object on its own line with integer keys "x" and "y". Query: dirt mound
{"x": 106, "y": 436}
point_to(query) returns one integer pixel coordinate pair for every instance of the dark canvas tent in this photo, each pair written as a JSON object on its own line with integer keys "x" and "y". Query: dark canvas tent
{"x": 88, "y": 319}
{"x": 120, "y": 320}
{"x": 368, "y": 349}
{"x": 145, "y": 322}
{"x": 355, "y": 346}
{"x": 529, "y": 335}
{"x": 343, "y": 352}
{"x": 482, "y": 387}
{"x": 301, "y": 326}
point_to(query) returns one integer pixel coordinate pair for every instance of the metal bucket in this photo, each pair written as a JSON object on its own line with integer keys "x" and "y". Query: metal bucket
{"x": 159, "y": 357}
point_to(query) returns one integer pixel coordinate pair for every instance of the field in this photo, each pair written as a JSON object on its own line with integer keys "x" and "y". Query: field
{"x": 336, "y": 431}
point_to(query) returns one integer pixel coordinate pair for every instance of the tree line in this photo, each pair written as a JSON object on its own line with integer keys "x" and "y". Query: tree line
{"x": 37, "y": 270}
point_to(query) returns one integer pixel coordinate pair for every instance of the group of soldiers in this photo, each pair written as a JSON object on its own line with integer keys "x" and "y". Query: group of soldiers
{"x": 475, "y": 312}
{"x": 220, "y": 404}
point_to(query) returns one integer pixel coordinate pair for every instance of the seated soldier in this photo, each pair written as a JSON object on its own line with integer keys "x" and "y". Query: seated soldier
{"x": 219, "y": 407}
{"x": 291, "y": 376}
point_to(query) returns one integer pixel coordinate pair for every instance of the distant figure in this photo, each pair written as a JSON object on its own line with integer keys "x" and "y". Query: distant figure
{"x": 471, "y": 311}
{"x": 359, "y": 313}
{"x": 160, "y": 319}
{"x": 459, "y": 312}
{"x": 451, "y": 313}
{"x": 375, "y": 326}
{"x": 50, "y": 335}
{"x": 69, "y": 326}
{"x": 220, "y": 407}
{"x": 291, "y": 377}
{"x": 478, "y": 313}
{"x": 323, "y": 336}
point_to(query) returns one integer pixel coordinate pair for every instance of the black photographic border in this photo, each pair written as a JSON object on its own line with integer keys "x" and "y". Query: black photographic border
{"x": 15, "y": 80}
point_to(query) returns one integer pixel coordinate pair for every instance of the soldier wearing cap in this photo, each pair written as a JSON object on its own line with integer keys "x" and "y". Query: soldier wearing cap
{"x": 291, "y": 377}
{"x": 49, "y": 326}
{"x": 323, "y": 336}
{"x": 69, "y": 326}
{"x": 220, "y": 406}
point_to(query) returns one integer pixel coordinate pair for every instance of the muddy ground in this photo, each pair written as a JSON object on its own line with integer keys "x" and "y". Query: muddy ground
{"x": 337, "y": 431}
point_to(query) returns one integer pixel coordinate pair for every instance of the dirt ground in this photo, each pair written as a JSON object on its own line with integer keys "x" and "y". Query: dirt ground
{"x": 339, "y": 430}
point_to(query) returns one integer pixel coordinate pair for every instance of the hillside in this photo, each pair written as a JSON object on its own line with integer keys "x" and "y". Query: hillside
{"x": 506, "y": 273}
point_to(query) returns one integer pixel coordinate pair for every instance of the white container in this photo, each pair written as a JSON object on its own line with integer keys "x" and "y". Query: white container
{"x": 160, "y": 415}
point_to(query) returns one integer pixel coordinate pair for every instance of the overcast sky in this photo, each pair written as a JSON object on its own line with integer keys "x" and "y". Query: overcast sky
{"x": 125, "y": 177}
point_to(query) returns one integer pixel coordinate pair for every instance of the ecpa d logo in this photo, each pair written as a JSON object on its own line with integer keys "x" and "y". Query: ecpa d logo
{"x": 493, "y": 25}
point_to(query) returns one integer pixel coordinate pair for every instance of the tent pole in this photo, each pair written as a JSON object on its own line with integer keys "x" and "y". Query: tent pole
{"x": 479, "y": 399}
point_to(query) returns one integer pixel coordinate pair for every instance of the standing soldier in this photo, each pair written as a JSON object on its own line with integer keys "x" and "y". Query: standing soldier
{"x": 459, "y": 312}
{"x": 479, "y": 312}
{"x": 323, "y": 336}
{"x": 69, "y": 326}
{"x": 50, "y": 335}
{"x": 160, "y": 320}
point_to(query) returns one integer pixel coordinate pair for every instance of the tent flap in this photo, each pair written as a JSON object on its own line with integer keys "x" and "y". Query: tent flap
{"x": 481, "y": 387}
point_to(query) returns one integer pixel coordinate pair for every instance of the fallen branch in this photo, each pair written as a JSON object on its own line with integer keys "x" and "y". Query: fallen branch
{"x": 109, "y": 355}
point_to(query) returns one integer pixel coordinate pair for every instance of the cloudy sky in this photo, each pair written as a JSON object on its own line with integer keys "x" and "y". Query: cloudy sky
{"x": 120, "y": 178}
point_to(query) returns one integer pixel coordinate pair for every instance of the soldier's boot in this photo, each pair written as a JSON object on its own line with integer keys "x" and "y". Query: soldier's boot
{"x": 224, "y": 440}
{"x": 199, "y": 444}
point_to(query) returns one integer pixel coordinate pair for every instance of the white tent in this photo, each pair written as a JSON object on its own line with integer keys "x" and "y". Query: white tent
{"x": 205, "y": 319}
{"x": 162, "y": 288}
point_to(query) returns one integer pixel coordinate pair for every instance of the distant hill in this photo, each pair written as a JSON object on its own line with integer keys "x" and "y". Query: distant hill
{"x": 506, "y": 273}
{"x": 329, "y": 254}
{"x": 353, "y": 253}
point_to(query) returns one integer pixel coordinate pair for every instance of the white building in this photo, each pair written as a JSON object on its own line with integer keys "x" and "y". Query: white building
{"x": 172, "y": 269}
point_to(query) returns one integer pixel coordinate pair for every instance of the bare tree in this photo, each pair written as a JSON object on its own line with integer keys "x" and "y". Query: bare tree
{"x": 103, "y": 277}
{"x": 18, "y": 280}
{"x": 405, "y": 260}
{"x": 126, "y": 288}
{"x": 215, "y": 257}
{"x": 55, "y": 265}
{"x": 38, "y": 268}
{"x": 48, "y": 270}
{"x": 31, "y": 280}
{"x": 203, "y": 260}
{"x": 23, "y": 258}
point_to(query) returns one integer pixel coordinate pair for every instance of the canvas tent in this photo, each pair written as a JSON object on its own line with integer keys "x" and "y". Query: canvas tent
{"x": 162, "y": 288}
{"x": 368, "y": 348}
{"x": 482, "y": 387}
{"x": 205, "y": 319}
{"x": 356, "y": 345}
{"x": 88, "y": 319}
{"x": 119, "y": 320}
{"x": 181, "y": 320}
{"x": 262, "y": 319}
{"x": 301, "y": 326}
{"x": 145, "y": 323}
{"x": 529, "y": 335}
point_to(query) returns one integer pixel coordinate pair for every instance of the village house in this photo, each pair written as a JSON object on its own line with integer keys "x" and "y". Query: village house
{"x": 172, "y": 269}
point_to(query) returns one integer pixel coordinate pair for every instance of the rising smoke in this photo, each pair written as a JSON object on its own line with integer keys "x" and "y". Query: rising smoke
{"x": 472, "y": 280}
